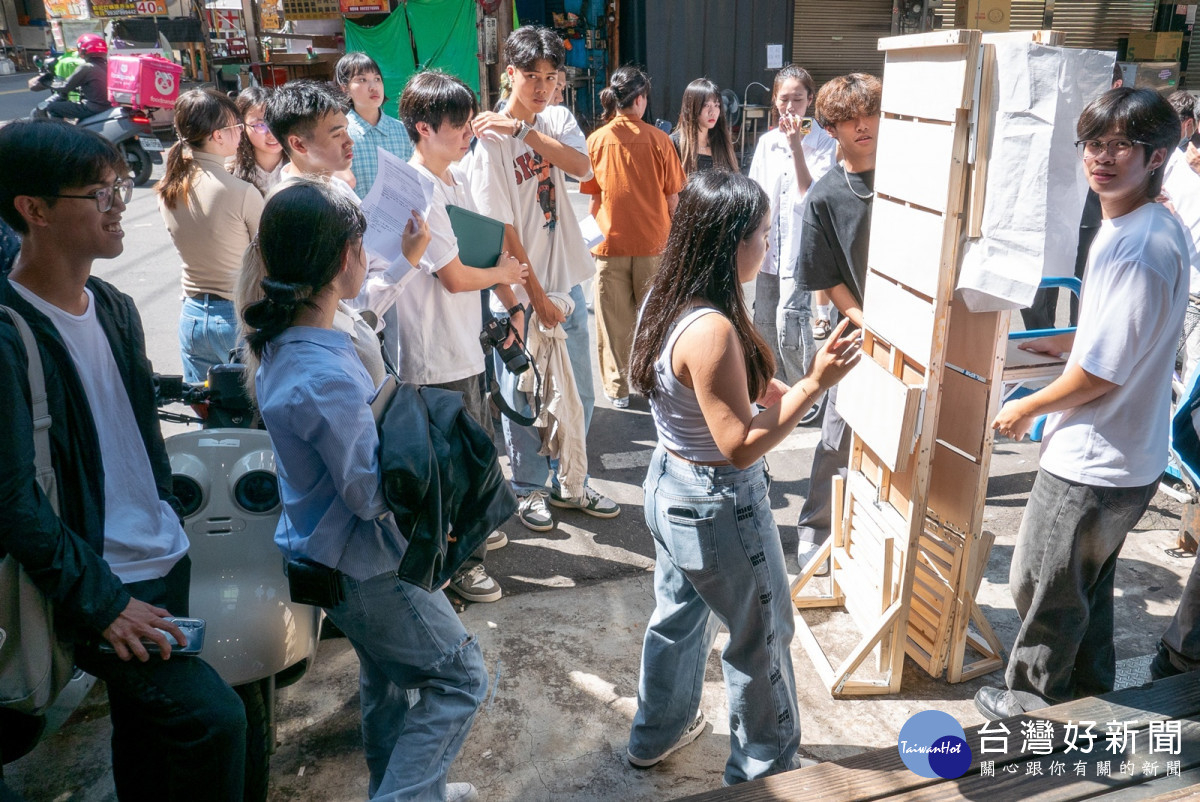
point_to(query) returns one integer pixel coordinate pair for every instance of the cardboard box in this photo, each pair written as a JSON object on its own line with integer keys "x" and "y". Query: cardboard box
{"x": 983, "y": 15}
{"x": 1157, "y": 46}
{"x": 143, "y": 81}
{"x": 1160, "y": 75}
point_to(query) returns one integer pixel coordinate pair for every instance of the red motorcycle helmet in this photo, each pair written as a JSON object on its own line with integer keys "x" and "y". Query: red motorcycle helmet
{"x": 91, "y": 44}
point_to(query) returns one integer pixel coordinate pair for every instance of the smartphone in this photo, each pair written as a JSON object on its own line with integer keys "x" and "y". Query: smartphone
{"x": 193, "y": 630}
{"x": 806, "y": 124}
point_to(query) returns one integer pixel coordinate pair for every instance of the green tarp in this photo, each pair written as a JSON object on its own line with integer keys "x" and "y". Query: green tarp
{"x": 445, "y": 37}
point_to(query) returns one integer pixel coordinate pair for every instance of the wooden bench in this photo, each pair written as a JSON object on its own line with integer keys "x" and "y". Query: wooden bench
{"x": 880, "y": 773}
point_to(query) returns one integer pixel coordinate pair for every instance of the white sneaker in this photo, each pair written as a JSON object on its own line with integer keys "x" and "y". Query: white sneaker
{"x": 496, "y": 540}
{"x": 804, "y": 554}
{"x": 461, "y": 792}
{"x": 620, "y": 402}
{"x": 476, "y": 586}
{"x": 690, "y": 734}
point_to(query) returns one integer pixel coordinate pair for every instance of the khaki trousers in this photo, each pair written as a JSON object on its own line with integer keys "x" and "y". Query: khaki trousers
{"x": 621, "y": 284}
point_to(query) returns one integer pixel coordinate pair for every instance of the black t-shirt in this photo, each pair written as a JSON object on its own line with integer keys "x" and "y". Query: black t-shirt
{"x": 704, "y": 161}
{"x": 836, "y": 229}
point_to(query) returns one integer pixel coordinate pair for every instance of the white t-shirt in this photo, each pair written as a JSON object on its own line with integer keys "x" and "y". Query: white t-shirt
{"x": 1182, "y": 185}
{"x": 774, "y": 170}
{"x": 1130, "y": 320}
{"x": 438, "y": 330}
{"x": 142, "y": 536}
{"x": 511, "y": 183}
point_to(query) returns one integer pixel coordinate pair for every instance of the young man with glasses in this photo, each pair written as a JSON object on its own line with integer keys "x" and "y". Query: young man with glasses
{"x": 1105, "y": 444}
{"x": 114, "y": 558}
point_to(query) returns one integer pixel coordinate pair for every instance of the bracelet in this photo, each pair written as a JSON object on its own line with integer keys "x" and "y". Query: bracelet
{"x": 515, "y": 309}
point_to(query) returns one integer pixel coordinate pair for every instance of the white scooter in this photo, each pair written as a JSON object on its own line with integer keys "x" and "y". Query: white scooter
{"x": 223, "y": 475}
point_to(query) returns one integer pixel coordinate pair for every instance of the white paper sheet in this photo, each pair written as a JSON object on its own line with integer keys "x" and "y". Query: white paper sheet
{"x": 1035, "y": 185}
{"x": 398, "y": 191}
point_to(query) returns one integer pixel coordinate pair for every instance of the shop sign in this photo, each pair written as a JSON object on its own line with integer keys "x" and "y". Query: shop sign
{"x": 128, "y": 8}
{"x": 363, "y": 6}
{"x": 66, "y": 9}
{"x": 270, "y": 15}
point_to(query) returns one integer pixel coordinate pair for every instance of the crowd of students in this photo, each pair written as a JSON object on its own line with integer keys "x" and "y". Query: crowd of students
{"x": 274, "y": 264}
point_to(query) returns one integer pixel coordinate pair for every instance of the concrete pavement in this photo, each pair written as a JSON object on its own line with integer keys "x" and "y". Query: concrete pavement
{"x": 563, "y": 646}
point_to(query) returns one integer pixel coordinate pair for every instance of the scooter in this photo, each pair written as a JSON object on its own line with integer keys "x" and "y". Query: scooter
{"x": 127, "y": 128}
{"x": 224, "y": 477}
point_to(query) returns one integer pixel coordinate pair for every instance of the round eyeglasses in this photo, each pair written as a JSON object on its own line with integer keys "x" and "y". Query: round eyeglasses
{"x": 1116, "y": 148}
{"x": 105, "y": 197}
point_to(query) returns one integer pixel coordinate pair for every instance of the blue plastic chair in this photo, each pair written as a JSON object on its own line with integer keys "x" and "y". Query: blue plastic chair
{"x": 1073, "y": 284}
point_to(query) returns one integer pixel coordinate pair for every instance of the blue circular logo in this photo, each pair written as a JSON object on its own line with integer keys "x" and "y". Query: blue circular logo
{"x": 932, "y": 744}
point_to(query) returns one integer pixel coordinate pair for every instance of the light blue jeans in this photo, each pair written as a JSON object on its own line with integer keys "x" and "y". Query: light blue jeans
{"x": 783, "y": 316}
{"x": 207, "y": 333}
{"x": 421, "y": 679}
{"x": 718, "y": 559}
{"x": 530, "y": 470}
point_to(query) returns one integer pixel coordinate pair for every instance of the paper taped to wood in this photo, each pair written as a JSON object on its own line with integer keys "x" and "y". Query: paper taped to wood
{"x": 1035, "y": 184}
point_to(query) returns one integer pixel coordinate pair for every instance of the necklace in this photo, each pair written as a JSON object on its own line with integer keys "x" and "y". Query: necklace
{"x": 868, "y": 196}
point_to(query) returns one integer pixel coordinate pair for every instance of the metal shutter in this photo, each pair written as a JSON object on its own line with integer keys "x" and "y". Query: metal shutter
{"x": 834, "y": 38}
{"x": 1026, "y": 14}
{"x": 1099, "y": 23}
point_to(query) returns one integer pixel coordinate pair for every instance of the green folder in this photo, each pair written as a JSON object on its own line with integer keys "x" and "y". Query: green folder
{"x": 480, "y": 239}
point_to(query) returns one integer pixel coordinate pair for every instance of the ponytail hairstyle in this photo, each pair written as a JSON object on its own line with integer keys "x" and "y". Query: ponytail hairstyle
{"x": 720, "y": 141}
{"x": 306, "y": 230}
{"x": 245, "y": 163}
{"x": 198, "y": 114}
{"x": 718, "y": 211}
{"x": 625, "y": 86}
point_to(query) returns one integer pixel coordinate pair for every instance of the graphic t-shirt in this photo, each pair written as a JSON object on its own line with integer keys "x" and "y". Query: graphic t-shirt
{"x": 511, "y": 183}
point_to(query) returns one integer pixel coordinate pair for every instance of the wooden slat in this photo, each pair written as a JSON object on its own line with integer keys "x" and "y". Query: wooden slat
{"x": 971, "y": 344}
{"x": 964, "y": 420}
{"x": 921, "y": 232}
{"x": 934, "y": 39}
{"x": 913, "y": 162}
{"x": 903, "y": 319}
{"x": 954, "y": 488}
{"x": 881, "y": 410}
{"x": 880, "y": 773}
{"x": 983, "y": 140}
{"x": 929, "y": 83}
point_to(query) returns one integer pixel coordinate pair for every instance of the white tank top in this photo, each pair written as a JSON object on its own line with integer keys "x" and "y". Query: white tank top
{"x": 677, "y": 416}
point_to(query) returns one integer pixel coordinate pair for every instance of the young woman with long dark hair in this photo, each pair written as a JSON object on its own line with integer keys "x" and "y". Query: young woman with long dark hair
{"x": 211, "y": 216}
{"x": 699, "y": 359}
{"x": 634, "y": 187}
{"x": 259, "y": 158}
{"x": 314, "y": 395}
{"x": 702, "y": 136}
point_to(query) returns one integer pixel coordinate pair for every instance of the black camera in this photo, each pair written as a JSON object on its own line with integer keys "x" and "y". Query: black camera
{"x": 494, "y": 333}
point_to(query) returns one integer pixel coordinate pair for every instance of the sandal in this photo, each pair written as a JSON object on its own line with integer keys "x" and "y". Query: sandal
{"x": 821, "y": 329}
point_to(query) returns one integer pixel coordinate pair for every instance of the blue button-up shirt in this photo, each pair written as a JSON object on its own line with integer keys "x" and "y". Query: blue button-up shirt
{"x": 314, "y": 396}
{"x": 389, "y": 134}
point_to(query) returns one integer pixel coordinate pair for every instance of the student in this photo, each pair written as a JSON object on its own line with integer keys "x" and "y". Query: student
{"x": 421, "y": 675}
{"x": 307, "y": 119}
{"x": 718, "y": 559}
{"x": 1181, "y": 193}
{"x": 211, "y": 217}
{"x": 517, "y": 175}
{"x": 633, "y": 191}
{"x": 438, "y": 315}
{"x": 702, "y": 136}
{"x": 787, "y": 162}
{"x": 1105, "y": 444}
{"x": 259, "y": 158}
{"x": 833, "y": 258}
{"x": 114, "y": 559}
{"x": 360, "y": 78}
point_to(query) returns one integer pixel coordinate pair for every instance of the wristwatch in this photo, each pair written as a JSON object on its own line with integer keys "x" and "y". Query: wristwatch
{"x": 521, "y": 132}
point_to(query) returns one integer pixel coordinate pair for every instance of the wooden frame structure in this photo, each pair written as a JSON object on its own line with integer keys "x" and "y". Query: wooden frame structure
{"x": 907, "y": 550}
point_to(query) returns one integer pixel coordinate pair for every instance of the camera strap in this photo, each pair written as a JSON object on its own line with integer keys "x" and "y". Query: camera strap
{"x": 535, "y": 401}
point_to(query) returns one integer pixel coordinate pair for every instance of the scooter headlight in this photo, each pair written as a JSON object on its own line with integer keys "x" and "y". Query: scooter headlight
{"x": 257, "y": 491}
{"x": 255, "y": 488}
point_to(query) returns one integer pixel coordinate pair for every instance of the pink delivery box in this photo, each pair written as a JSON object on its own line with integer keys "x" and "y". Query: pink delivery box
{"x": 143, "y": 81}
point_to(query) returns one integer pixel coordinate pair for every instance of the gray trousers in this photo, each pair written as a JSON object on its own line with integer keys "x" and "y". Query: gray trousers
{"x": 1061, "y": 580}
{"x": 1182, "y": 638}
{"x": 783, "y": 316}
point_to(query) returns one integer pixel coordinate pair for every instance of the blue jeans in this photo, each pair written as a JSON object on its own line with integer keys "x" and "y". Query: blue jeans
{"x": 530, "y": 470}
{"x": 783, "y": 316}
{"x": 718, "y": 559}
{"x": 1061, "y": 580}
{"x": 207, "y": 333}
{"x": 421, "y": 679}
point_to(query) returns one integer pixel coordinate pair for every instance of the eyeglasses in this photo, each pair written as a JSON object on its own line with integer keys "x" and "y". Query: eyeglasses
{"x": 239, "y": 126}
{"x": 1116, "y": 148}
{"x": 105, "y": 197}
{"x": 259, "y": 127}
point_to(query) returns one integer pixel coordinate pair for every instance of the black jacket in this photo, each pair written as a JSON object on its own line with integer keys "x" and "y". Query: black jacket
{"x": 90, "y": 80}
{"x": 441, "y": 480}
{"x": 65, "y": 556}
